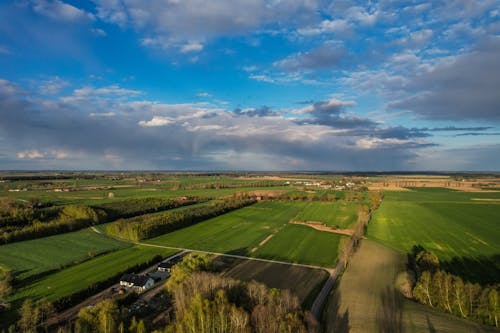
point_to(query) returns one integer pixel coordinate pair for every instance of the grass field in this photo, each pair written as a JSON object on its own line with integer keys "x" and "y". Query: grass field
{"x": 241, "y": 231}
{"x": 367, "y": 301}
{"x": 463, "y": 233}
{"x": 89, "y": 197}
{"x": 333, "y": 214}
{"x": 301, "y": 244}
{"x": 33, "y": 257}
{"x": 303, "y": 282}
{"x": 81, "y": 276}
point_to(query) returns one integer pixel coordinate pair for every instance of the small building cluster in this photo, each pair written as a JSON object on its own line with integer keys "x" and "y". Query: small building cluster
{"x": 142, "y": 282}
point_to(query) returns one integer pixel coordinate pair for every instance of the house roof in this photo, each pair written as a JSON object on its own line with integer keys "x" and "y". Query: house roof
{"x": 166, "y": 264}
{"x": 136, "y": 280}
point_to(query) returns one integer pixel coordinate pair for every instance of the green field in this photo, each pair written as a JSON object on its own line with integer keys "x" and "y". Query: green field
{"x": 95, "y": 197}
{"x": 29, "y": 258}
{"x": 333, "y": 214}
{"x": 241, "y": 231}
{"x": 302, "y": 244}
{"x": 463, "y": 233}
{"x": 81, "y": 276}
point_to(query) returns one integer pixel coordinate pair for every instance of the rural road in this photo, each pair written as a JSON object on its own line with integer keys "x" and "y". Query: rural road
{"x": 71, "y": 313}
{"x": 325, "y": 291}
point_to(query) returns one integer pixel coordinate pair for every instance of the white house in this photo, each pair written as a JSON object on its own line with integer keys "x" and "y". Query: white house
{"x": 139, "y": 283}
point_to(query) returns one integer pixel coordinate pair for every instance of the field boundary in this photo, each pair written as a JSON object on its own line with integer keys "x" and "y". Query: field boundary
{"x": 320, "y": 226}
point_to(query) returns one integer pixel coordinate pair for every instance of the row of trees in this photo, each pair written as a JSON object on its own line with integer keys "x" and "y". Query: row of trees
{"x": 221, "y": 185}
{"x": 15, "y": 214}
{"x": 69, "y": 218}
{"x": 106, "y": 317}
{"x": 347, "y": 246}
{"x": 135, "y": 207}
{"x": 5, "y": 289}
{"x": 151, "y": 225}
{"x": 324, "y": 195}
{"x": 439, "y": 289}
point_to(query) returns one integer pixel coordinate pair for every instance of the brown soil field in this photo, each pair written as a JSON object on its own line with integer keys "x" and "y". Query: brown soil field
{"x": 303, "y": 282}
{"x": 367, "y": 300}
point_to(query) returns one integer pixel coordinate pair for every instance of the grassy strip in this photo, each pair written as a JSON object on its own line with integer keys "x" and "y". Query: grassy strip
{"x": 33, "y": 257}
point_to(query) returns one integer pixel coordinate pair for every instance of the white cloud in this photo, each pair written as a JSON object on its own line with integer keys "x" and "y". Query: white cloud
{"x": 31, "y": 154}
{"x": 98, "y": 32}
{"x": 192, "y": 47}
{"x": 52, "y": 86}
{"x": 102, "y": 114}
{"x": 203, "y": 94}
{"x": 156, "y": 121}
{"x": 60, "y": 11}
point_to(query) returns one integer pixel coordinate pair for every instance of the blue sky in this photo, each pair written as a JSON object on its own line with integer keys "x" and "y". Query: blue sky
{"x": 250, "y": 85}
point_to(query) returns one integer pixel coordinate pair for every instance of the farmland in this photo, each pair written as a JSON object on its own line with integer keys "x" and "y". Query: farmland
{"x": 29, "y": 258}
{"x": 463, "y": 233}
{"x": 302, "y": 281}
{"x": 370, "y": 302}
{"x": 81, "y": 276}
{"x": 333, "y": 214}
{"x": 245, "y": 230}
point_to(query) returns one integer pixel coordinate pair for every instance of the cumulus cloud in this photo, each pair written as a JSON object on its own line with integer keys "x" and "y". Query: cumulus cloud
{"x": 30, "y": 154}
{"x": 191, "y": 47}
{"x": 61, "y": 11}
{"x": 201, "y": 19}
{"x": 465, "y": 88}
{"x": 52, "y": 86}
{"x": 157, "y": 121}
{"x": 148, "y": 134}
{"x": 321, "y": 57}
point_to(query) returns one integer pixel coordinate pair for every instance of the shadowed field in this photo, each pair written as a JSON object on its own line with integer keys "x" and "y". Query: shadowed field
{"x": 367, "y": 301}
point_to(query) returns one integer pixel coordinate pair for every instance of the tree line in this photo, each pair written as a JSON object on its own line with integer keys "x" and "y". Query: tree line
{"x": 151, "y": 225}
{"x": 69, "y": 218}
{"x": 21, "y": 221}
{"x": 348, "y": 246}
{"x": 447, "y": 292}
{"x": 134, "y": 207}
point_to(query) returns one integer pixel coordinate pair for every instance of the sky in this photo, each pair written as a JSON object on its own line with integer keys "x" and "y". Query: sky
{"x": 250, "y": 85}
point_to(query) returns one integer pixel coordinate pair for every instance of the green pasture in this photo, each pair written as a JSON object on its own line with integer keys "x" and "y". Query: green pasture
{"x": 81, "y": 276}
{"x": 301, "y": 244}
{"x": 430, "y": 194}
{"x": 241, "y": 231}
{"x": 95, "y": 197}
{"x": 463, "y": 234}
{"x": 334, "y": 214}
{"x": 33, "y": 257}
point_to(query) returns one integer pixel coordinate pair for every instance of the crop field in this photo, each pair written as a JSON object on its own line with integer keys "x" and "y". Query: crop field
{"x": 303, "y": 282}
{"x": 370, "y": 303}
{"x": 463, "y": 232}
{"x": 29, "y": 258}
{"x": 333, "y": 214}
{"x": 302, "y": 244}
{"x": 81, "y": 276}
{"x": 91, "y": 197}
{"x": 245, "y": 231}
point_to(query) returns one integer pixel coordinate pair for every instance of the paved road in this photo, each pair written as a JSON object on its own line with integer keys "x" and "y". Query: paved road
{"x": 325, "y": 291}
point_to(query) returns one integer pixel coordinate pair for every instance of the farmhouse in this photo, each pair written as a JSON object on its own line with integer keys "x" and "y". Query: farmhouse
{"x": 165, "y": 266}
{"x": 137, "y": 282}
